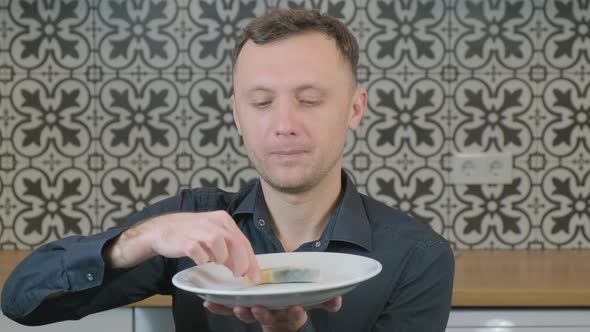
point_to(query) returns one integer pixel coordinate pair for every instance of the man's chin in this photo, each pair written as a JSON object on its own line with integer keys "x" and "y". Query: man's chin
{"x": 289, "y": 185}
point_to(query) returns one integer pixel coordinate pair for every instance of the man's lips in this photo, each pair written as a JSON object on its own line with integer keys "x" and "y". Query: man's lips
{"x": 288, "y": 152}
{"x": 289, "y": 156}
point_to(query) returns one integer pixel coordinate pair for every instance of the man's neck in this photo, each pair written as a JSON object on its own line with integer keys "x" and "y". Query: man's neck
{"x": 301, "y": 218}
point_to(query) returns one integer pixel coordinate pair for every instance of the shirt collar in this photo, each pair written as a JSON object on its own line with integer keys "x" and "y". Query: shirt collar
{"x": 249, "y": 202}
{"x": 349, "y": 223}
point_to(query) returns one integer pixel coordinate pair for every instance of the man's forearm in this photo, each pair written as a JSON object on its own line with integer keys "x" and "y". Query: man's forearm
{"x": 130, "y": 248}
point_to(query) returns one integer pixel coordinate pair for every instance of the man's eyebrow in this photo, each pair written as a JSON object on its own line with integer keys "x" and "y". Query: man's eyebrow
{"x": 298, "y": 89}
{"x": 258, "y": 88}
{"x": 311, "y": 86}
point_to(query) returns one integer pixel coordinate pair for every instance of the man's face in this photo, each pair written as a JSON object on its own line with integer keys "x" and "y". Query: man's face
{"x": 294, "y": 100}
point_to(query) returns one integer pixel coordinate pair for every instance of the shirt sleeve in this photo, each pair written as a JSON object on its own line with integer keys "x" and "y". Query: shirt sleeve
{"x": 308, "y": 326}
{"x": 422, "y": 299}
{"x": 74, "y": 269}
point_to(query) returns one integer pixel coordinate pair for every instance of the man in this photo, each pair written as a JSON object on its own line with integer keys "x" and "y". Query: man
{"x": 295, "y": 97}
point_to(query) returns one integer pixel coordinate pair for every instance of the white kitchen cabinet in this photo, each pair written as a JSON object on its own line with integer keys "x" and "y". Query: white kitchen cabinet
{"x": 461, "y": 320}
{"x": 519, "y": 329}
{"x": 519, "y": 320}
{"x": 116, "y": 320}
{"x": 153, "y": 320}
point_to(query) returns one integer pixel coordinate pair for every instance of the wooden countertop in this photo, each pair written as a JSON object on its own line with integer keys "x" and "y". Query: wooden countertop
{"x": 524, "y": 278}
{"x": 483, "y": 278}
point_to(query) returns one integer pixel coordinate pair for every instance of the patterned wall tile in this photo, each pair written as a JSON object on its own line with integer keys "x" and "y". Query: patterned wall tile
{"x": 50, "y": 117}
{"x": 6, "y": 71}
{"x": 492, "y": 215}
{"x": 359, "y": 22}
{"x": 414, "y": 194}
{"x": 229, "y": 162}
{"x": 10, "y": 162}
{"x": 8, "y": 117}
{"x": 214, "y": 127}
{"x": 51, "y": 204}
{"x": 340, "y": 9}
{"x": 567, "y": 223}
{"x": 408, "y": 34}
{"x": 405, "y": 117}
{"x": 566, "y": 46}
{"x": 538, "y": 31}
{"x": 218, "y": 24}
{"x": 537, "y": 206}
{"x": 107, "y": 106}
{"x": 491, "y": 116}
{"x": 124, "y": 192}
{"x": 4, "y": 215}
{"x": 136, "y": 34}
{"x": 568, "y": 105}
{"x": 139, "y": 118}
{"x": 360, "y": 162}
{"x": 493, "y": 36}
{"x": 9, "y": 206}
{"x": 49, "y": 38}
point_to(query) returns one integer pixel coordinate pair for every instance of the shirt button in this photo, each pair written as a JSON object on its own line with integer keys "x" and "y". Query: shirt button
{"x": 89, "y": 277}
{"x": 261, "y": 222}
{"x": 318, "y": 244}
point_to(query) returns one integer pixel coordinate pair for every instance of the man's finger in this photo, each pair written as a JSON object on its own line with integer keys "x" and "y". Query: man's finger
{"x": 198, "y": 254}
{"x": 262, "y": 315}
{"x": 218, "y": 309}
{"x": 239, "y": 257}
{"x": 218, "y": 248}
{"x": 296, "y": 313}
{"x": 244, "y": 314}
{"x": 253, "y": 271}
{"x": 241, "y": 252}
{"x": 331, "y": 305}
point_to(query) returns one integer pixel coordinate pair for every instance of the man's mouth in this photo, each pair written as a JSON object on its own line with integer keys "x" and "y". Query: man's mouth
{"x": 289, "y": 156}
{"x": 288, "y": 152}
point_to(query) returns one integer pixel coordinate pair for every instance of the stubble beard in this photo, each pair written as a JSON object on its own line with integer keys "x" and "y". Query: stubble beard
{"x": 309, "y": 179}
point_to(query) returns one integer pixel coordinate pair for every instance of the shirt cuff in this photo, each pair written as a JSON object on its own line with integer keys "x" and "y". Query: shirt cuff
{"x": 83, "y": 261}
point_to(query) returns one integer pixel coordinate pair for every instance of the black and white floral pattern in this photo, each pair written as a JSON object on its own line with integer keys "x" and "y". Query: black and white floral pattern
{"x": 42, "y": 31}
{"x": 137, "y": 31}
{"x": 109, "y": 106}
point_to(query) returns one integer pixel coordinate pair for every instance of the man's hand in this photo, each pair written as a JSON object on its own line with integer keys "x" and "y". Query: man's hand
{"x": 204, "y": 237}
{"x": 289, "y": 320}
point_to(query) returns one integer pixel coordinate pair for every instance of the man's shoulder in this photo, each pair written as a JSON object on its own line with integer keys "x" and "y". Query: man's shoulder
{"x": 392, "y": 224}
{"x": 404, "y": 243}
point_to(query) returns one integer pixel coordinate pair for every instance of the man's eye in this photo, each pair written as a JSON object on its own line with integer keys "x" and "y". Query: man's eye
{"x": 308, "y": 102}
{"x": 261, "y": 104}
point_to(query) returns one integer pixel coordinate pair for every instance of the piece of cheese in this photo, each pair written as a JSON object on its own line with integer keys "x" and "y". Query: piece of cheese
{"x": 277, "y": 275}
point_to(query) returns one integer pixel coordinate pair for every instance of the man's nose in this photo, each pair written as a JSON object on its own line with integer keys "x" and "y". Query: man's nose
{"x": 285, "y": 120}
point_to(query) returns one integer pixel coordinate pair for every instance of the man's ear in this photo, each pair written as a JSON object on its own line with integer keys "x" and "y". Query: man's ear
{"x": 359, "y": 105}
{"x": 235, "y": 114}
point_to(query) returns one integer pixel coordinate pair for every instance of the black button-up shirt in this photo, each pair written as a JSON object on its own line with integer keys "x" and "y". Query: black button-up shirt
{"x": 412, "y": 293}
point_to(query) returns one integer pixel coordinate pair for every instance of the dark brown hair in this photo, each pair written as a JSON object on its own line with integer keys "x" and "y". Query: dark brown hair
{"x": 281, "y": 23}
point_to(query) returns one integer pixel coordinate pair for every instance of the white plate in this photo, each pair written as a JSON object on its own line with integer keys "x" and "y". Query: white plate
{"x": 340, "y": 273}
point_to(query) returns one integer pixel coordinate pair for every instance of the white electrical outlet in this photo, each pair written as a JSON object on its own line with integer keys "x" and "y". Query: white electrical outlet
{"x": 481, "y": 168}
